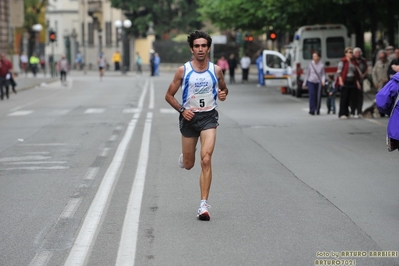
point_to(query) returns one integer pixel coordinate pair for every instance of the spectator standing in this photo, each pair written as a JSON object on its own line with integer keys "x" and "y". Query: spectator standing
{"x": 315, "y": 79}
{"x": 24, "y": 62}
{"x": 259, "y": 65}
{"x": 139, "y": 63}
{"x": 157, "y": 61}
{"x": 348, "y": 81}
{"x": 390, "y": 53}
{"x": 102, "y": 63}
{"x": 43, "y": 64}
{"x": 395, "y": 62}
{"x": 357, "y": 103}
{"x": 245, "y": 63}
{"x": 79, "y": 61}
{"x": 232, "y": 61}
{"x": 63, "y": 68}
{"x": 116, "y": 59}
{"x": 223, "y": 64}
{"x": 379, "y": 73}
{"x": 152, "y": 56}
{"x": 34, "y": 64}
{"x": 6, "y": 73}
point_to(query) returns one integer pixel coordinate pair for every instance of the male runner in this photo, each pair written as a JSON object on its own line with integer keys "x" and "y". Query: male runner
{"x": 201, "y": 82}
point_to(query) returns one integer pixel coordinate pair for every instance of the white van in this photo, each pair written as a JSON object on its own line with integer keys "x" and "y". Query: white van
{"x": 329, "y": 40}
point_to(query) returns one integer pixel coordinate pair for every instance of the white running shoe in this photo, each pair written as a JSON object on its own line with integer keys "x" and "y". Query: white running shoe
{"x": 180, "y": 161}
{"x": 203, "y": 212}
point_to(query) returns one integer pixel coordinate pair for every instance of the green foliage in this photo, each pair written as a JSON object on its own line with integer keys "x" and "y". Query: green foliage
{"x": 169, "y": 16}
{"x": 34, "y": 13}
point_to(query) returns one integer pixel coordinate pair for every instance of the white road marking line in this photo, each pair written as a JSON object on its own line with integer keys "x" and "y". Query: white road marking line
{"x": 128, "y": 242}
{"x": 35, "y": 101}
{"x": 41, "y": 258}
{"x": 151, "y": 105}
{"x": 94, "y": 111}
{"x": 92, "y": 173}
{"x": 131, "y": 110}
{"x": 142, "y": 96}
{"x": 38, "y": 152}
{"x": 167, "y": 111}
{"x": 22, "y": 158}
{"x": 34, "y": 168}
{"x": 48, "y": 144}
{"x": 70, "y": 208}
{"x": 46, "y": 162}
{"x": 20, "y": 113}
{"x": 104, "y": 152}
{"x": 80, "y": 249}
{"x": 113, "y": 138}
{"x": 119, "y": 128}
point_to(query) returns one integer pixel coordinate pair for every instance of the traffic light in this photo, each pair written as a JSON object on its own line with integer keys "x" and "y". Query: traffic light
{"x": 248, "y": 38}
{"x": 52, "y": 36}
{"x": 272, "y": 35}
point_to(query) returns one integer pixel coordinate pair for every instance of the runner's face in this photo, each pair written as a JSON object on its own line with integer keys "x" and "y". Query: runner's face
{"x": 200, "y": 49}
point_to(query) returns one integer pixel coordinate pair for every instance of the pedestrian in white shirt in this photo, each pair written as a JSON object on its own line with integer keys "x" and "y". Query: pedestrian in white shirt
{"x": 245, "y": 63}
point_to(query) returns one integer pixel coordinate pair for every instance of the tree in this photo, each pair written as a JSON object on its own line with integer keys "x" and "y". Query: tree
{"x": 168, "y": 16}
{"x": 287, "y": 15}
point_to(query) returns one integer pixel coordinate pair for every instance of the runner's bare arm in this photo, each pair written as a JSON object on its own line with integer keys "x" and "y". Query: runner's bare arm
{"x": 223, "y": 90}
{"x": 174, "y": 87}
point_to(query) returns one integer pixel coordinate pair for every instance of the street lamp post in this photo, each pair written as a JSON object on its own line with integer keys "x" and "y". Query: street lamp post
{"x": 37, "y": 28}
{"x": 121, "y": 28}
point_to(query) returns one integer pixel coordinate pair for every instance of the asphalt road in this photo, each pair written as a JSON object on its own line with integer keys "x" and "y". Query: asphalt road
{"x": 89, "y": 176}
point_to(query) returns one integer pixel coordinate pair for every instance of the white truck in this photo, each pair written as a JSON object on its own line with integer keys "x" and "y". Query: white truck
{"x": 288, "y": 71}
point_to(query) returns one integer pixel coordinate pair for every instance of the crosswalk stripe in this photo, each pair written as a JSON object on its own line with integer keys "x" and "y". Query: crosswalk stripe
{"x": 20, "y": 113}
{"x": 94, "y": 111}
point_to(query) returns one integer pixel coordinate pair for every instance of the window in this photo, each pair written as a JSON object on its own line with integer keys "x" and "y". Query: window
{"x": 91, "y": 33}
{"x": 310, "y": 46}
{"x": 108, "y": 34}
{"x": 274, "y": 61}
{"x": 335, "y": 47}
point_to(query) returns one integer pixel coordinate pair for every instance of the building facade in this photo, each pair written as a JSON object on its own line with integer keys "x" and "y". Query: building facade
{"x": 85, "y": 26}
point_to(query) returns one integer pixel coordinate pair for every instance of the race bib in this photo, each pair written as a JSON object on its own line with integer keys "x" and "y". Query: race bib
{"x": 8, "y": 76}
{"x": 202, "y": 101}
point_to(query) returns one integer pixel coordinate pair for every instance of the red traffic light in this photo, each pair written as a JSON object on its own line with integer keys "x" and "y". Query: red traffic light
{"x": 52, "y": 36}
{"x": 272, "y": 35}
{"x": 248, "y": 38}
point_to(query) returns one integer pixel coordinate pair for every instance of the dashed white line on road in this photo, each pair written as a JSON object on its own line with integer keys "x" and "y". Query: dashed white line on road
{"x": 20, "y": 113}
{"x": 34, "y": 168}
{"x": 41, "y": 258}
{"x": 104, "y": 152}
{"x": 91, "y": 173}
{"x": 95, "y": 111}
{"x": 113, "y": 138}
{"x": 70, "y": 208}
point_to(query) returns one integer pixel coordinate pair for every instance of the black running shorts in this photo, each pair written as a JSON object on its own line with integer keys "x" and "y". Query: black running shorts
{"x": 201, "y": 121}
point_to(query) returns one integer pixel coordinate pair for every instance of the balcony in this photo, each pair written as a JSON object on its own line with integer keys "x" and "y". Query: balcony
{"x": 94, "y": 6}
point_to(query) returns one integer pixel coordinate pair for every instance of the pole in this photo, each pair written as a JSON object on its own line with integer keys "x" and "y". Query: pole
{"x": 52, "y": 60}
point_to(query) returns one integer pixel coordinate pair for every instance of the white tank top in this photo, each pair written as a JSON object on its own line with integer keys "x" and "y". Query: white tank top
{"x": 199, "y": 89}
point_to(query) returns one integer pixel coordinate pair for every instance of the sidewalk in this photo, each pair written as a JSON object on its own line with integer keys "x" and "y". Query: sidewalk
{"x": 28, "y": 82}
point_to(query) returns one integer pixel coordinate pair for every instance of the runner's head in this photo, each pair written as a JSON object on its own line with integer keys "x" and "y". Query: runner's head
{"x": 197, "y": 35}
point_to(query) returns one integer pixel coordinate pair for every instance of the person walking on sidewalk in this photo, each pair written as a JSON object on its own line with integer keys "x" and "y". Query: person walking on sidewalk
{"x": 203, "y": 84}
{"x": 315, "y": 79}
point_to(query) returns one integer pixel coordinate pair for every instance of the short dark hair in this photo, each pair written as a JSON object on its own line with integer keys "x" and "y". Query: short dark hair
{"x": 318, "y": 53}
{"x": 197, "y": 35}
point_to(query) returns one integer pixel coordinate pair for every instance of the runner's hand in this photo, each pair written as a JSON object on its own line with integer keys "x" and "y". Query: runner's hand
{"x": 222, "y": 95}
{"x": 188, "y": 114}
